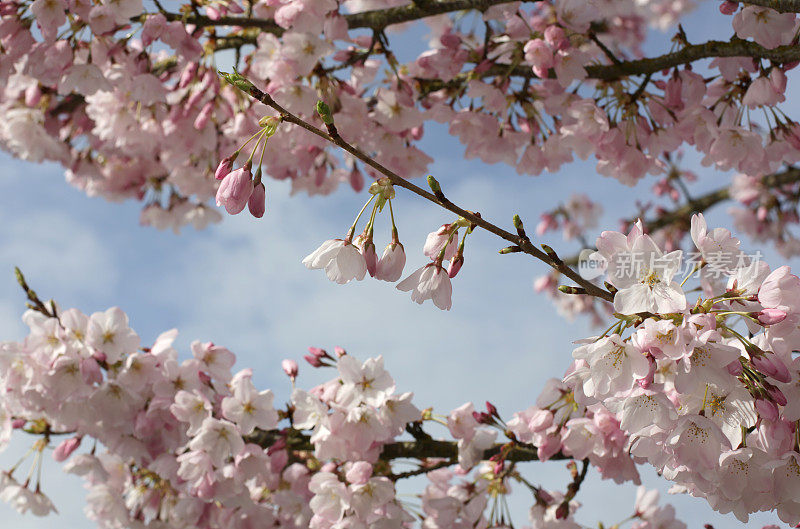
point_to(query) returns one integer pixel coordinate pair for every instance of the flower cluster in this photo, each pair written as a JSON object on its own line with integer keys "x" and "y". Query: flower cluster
{"x": 189, "y": 443}
{"x": 128, "y": 100}
{"x": 702, "y": 391}
{"x": 351, "y": 258}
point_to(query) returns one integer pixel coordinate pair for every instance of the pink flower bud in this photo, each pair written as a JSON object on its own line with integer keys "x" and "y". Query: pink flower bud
{"x": 371, "y": 258}
{"x": 544, "y": 496}
{"x": 290, "y": 368}
{"x": 213, "y": 12}
{"x": 455, "y": 266}
{"x": 90, "y": 371}
{"x": 778, "y": 80}
{"x": 450, "y": 40}
{"x": 318, "y": 352}
{"x": 224, "y": 168}
{"x": 280, "y": 444}
{"x": 481, "y": 417}
{"x": 359, "y": 473}
{"x": 33, "y": 95}
{"x": 498, "y": 467}
{"x": 16, "y": 424}
{"x": 313, "y": 360}
{"x": 540, "y": 56}
{"x": 491, "y": 409}
{"x": 770, "y": 316}
{"x": 555, "y": 37}
{"x": 772, "y": 366}
{"x": 339, "y": 351}
{"x": 202, "y": 118}
{"x": 187, "y": 75}
{"x": 356, "y": 180}
{"x": 728, "y": 8}
{"x": 775, "y": 394}
{"x": 562, "y": 511}
{"x": 767, "y": 409}
{"x": 66, "y": 447}
{"x": 235, "y": 190}
{"x": 735, "y": 368}
{"x": 257, "y": 204}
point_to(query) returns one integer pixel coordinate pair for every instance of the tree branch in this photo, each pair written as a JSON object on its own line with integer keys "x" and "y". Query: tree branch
{"x": 611, "y": 72}
{"x": 376, "y": 19}
{"x": 693, "y": 52}
{"x": 682, "y": 215}
{"x": 523, "y": 242}
{"x": 417, "y": 449}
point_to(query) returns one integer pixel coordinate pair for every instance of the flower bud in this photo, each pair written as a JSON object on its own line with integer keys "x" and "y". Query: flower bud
{"x": 772, "y": 366}
{"x": 371, "y": 258}
{"x": 767, "y": 409}
{"x": 498, "y": 467}
{"x": 66, "y": 447}
{"x": 33, "y": 95}
{"x": 225, "y": 166}
{"x": 205, "y": 114}
{"x": 728, "y": 8}
{"x": 775, "y": 394}
{"x": 257, "y": 204}
{"x": 356, "y": 180}
{"x": 770, "y": 316}
{"x": 280, "y": 444}
{"x": 235, "y": 190}
{"x": 318, "y": 352}
{"x": 188, "y": 74}
{"x": 339, "y": 351}
{"x": 359, "y": 473}
{"x": 290, "y": 368}
{"x": 455, "y": 266}
{"x": 313, "y": 360}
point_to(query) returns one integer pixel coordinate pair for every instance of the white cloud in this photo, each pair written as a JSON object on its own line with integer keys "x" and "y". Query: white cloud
{"x": 59, "y": 255}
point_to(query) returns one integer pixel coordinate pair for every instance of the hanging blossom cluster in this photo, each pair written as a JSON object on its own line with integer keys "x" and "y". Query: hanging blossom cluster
{"x": 189, "y": 443}
{"x": 126, "y": 97}
{"x": 351, "y": 258}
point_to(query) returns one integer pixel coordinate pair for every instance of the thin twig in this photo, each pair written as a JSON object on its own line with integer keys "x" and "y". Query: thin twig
{"x": 525, "y": 245}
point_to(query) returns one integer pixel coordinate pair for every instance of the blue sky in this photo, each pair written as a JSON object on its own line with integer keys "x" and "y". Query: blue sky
{"x": 241, "y": 285}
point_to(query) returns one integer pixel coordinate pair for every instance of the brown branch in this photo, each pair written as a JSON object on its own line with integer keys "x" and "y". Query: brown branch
{"x": 682, "y": 216}
{"x": 575, "y": 486}
{"x": 417, "y": 449}
{"x": 376, "y": 19}
{"x": 693, "y": 52}
{"x": 524, "y": 243}
{"x": 781, "y": 6}
{"x": 649, "y": 66}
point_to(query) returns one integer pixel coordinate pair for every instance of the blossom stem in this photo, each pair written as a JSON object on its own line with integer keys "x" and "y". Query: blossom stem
{"x": 355, "y": 222}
